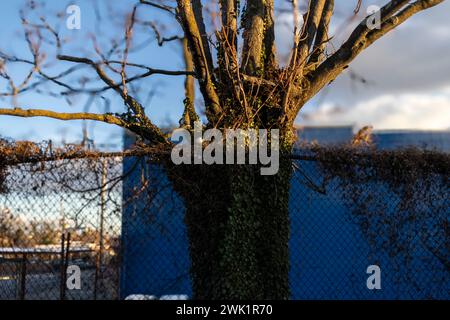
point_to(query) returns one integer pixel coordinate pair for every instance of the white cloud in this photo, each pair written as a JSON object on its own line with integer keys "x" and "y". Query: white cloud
{"x": 408, "y": 79}
{"x": 404, "y": 111}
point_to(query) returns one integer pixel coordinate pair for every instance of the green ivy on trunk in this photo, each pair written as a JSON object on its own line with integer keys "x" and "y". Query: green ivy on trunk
{"x": 238, "y": 228}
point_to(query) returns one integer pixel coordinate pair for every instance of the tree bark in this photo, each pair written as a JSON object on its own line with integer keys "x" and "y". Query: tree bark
{"x": 238, "y": 228}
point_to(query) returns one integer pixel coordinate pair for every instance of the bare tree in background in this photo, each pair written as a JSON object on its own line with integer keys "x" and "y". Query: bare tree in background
{"x": 238, "y": 221}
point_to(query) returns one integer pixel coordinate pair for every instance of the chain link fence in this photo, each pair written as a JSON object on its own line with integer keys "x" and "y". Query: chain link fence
{"x": 119, "y": 222}
{"x": 58, "y": 214}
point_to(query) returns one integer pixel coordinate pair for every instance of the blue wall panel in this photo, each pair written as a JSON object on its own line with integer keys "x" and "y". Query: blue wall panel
{"x": 329, "y": 253}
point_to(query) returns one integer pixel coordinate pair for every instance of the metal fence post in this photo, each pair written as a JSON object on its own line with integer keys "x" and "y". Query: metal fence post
{"x": 23, "y": 277}
{"x": 61, "y": 276}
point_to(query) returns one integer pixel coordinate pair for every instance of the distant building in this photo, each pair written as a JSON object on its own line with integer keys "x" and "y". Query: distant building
{"x": 383, "y": 139}
{"x": 324, "y": 135}
{"x": 432, "y": 139}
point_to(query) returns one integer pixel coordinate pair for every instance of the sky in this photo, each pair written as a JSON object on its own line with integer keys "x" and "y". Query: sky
{"x": 407, "y": 73}
{"x": 408, "y": 80}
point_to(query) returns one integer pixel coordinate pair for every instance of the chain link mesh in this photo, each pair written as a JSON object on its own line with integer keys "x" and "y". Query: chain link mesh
{"x": 120, "y": 222}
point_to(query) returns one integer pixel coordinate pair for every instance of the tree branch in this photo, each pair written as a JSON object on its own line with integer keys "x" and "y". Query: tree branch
{"x": 270, "y": 55}
{"x": 309, "y": 31}
{"x": 253, "y": 23}
{"x": 137, "y": 122}
{"x": 107, "y": 118}
{"x": 197, "y": 8}
{"x": 360, "y": 39}
{"x": 188, "y": 21}
{"x": 229, "y": 9}
{"x": 322, "y": 37}
{"x": 168, "y": 9}
{"x": 189, "y": 114}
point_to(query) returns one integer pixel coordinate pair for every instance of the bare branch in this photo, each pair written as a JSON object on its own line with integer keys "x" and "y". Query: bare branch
{"x": 270, "y": 55}
{"x": 138, "y": 122}
{"x": 361, "y": 38}
{"x": 188, "y": 22}
{"x": 253, "y": 24}
{"x": 309, "y": 30}
{"x": 197, "y": 8}
{"x": 166, "y": 8}
{"x": 229, "y": 10}
{"x": 322, "y": 36}
{"x": 161, "y": 40}
{"x": 189, "y": 114}
{"x": 108, "y": 118}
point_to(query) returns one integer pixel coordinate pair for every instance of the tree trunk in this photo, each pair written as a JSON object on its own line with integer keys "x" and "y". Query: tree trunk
{"x": 238, "y": 227}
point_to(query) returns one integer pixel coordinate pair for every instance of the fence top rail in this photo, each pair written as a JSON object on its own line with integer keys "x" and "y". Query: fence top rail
{"x": 80, "y": 155}
{"x": 42, "y": 251}
{"x": 116, "y": 154}
{"x": 336, "y": 154}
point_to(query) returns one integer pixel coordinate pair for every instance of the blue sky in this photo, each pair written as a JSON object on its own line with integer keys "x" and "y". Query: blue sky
{"x": 407, "y": 72}
{"x": 166, "y": 105}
